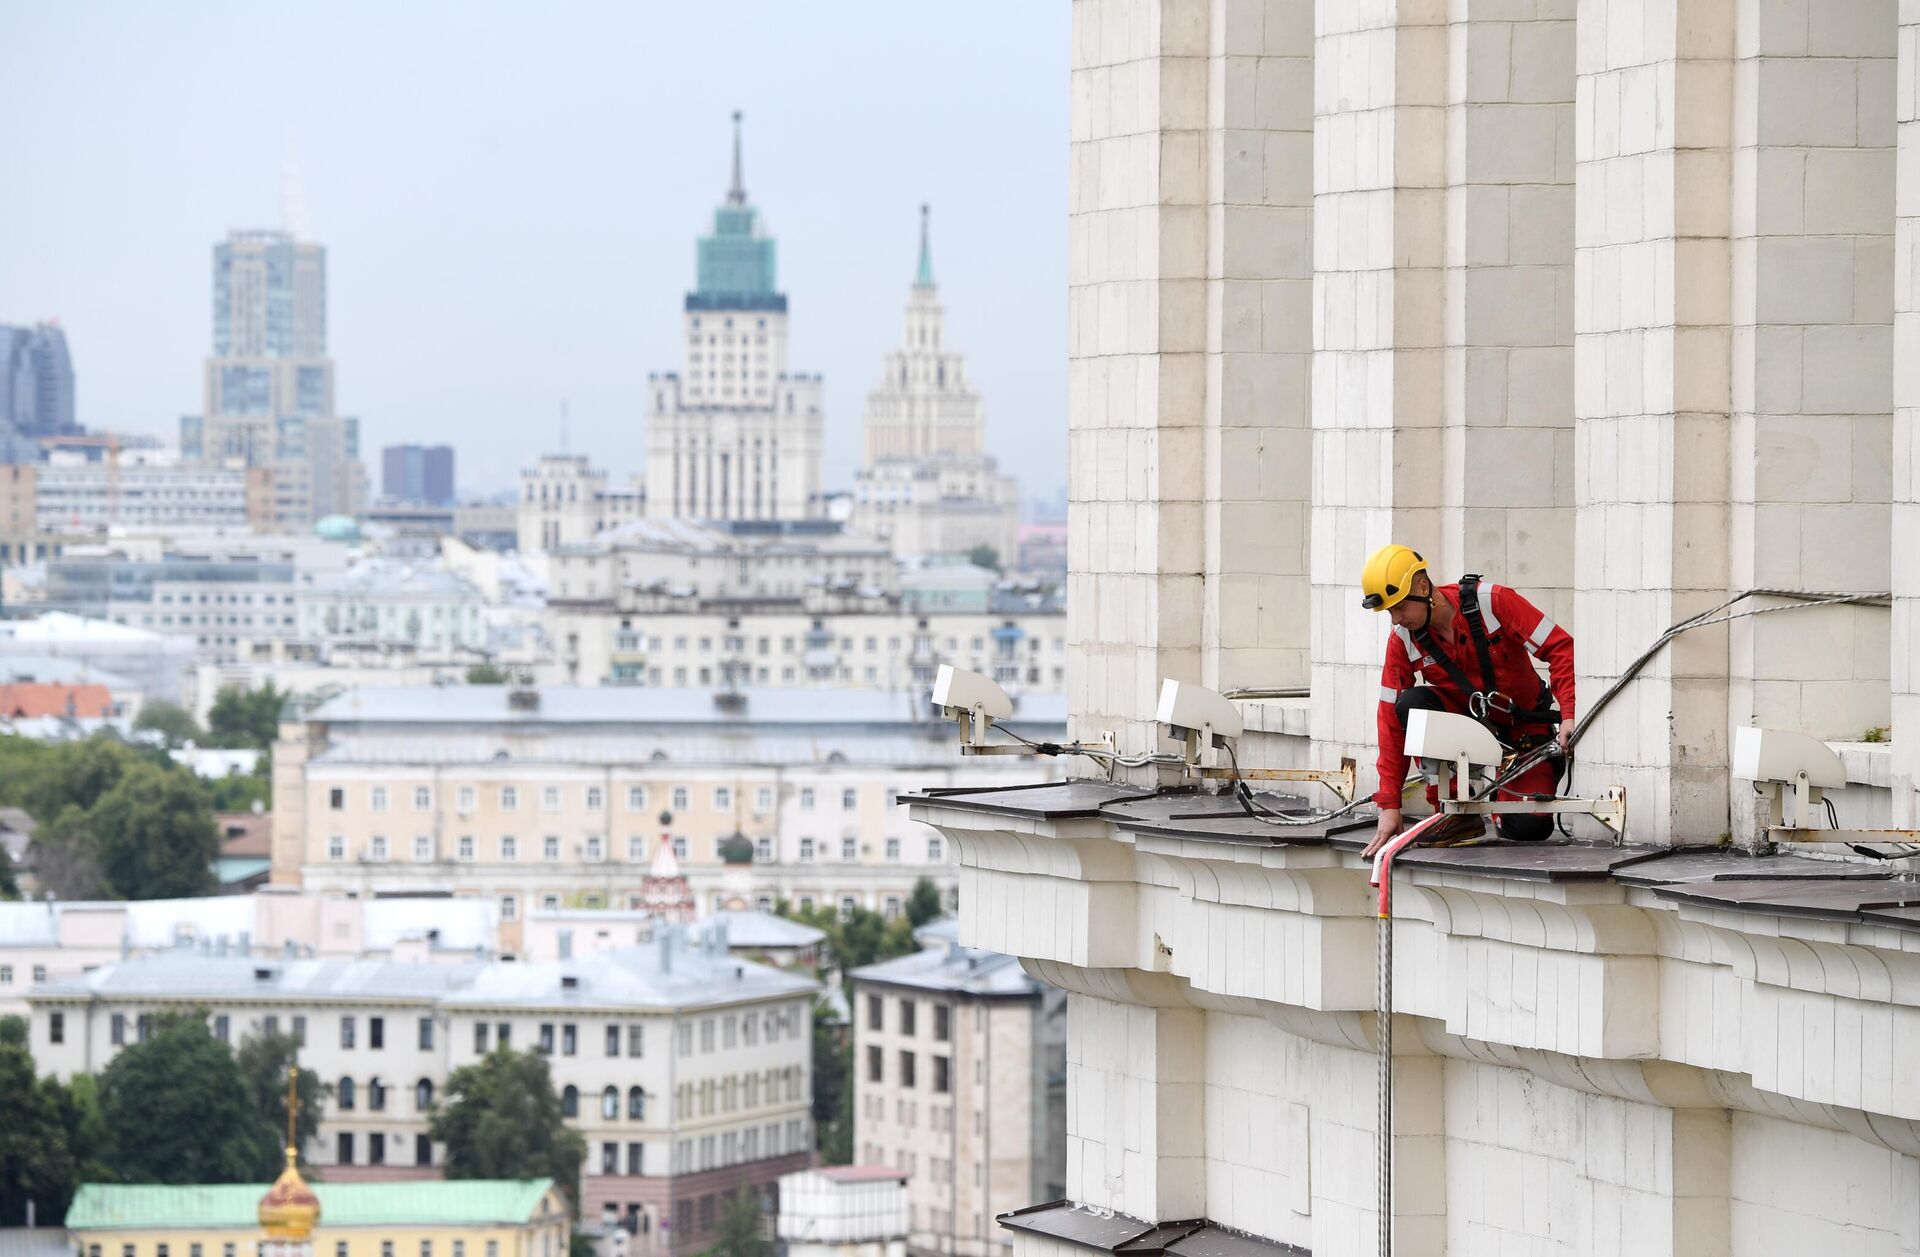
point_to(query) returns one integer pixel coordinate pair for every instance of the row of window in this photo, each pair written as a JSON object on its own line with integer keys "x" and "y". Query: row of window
{"x": 594, "y": 849}
{"x": 909, "y": 1017}
{"x": 741, "y": 1091}
{"x": 631, "y": 639}
{"x": 466, "y": 797}
{"x": 908, "y": 1073}
{"x": 6, "y": 974}
{"x": 341, "y": 1248}
{"x": 711, "y": 1152}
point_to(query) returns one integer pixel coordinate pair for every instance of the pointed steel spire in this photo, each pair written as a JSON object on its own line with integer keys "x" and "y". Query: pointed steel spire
{"x": 923, "y": 278}
{"x": 736, "y": 194}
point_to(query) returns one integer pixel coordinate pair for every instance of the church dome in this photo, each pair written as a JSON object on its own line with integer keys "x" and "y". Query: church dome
{"x": 737, "y": 849}
{"x": 289, "y": 1210}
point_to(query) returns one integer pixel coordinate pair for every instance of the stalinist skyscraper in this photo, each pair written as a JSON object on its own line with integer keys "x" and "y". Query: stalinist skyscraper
{"x": 734, "y": 436}
{"x": 928, "y": 485}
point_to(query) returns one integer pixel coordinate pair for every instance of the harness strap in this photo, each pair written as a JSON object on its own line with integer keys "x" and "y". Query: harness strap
{"x": 1482, "y": 696}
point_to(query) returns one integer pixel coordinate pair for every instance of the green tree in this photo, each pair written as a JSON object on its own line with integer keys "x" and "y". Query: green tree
{"x": 246, "y": 718}
{"x": 501, "y": 1119}
{"x": 36, "y": 1159}
{"x": 865, "y": 937}
{"x": 486, "y": 674}
{"x": 171, "y": 721}
{"x": 175, "y": 1110}
{"x": 153, "y": 834}
{"x": 238, "y": 792}
{"x": 70, "y": 775}
{"x": 923, "y": 903}
{"x": 832, "y": 1086}
{"x": 984, "y": 555}
{"x": 742, "y": 1230}
{"x": 263, "y": 1059}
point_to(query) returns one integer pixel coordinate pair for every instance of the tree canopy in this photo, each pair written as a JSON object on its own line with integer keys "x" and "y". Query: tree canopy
{"x": 175, "y": 1109}
{"x": 832, "y": 1086}
{"x": 923, "y": 904}
{"x": 501, "y": 1118}
{"x": 263, "y": 1059}
{"x": 742, "y": 1230}
{"x": 246, "y": 718}
{"x": 153, "y": 834}
{"x": 171, "y": 721}
{"x": 984, "y": 555}
{"x": 486, "y": 674}
{"x": 37, "y": 1161}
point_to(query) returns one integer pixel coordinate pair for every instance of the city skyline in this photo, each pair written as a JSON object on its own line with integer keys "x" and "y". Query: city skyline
{"x": 463, "y": 300}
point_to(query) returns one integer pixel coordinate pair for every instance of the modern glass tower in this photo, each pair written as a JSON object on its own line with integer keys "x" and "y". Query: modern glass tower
{"x": 36, "y": 381}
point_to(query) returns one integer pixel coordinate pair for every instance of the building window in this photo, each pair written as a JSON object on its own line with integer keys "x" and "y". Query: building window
{"x": 941, "y": 1083}
{"x": 546, "y": 1038}
{"x": 343, "y": 1148}
{"x": 422, "y": 799}
{"x": 806, "y": 798}
{"x": 876, "y": 1012}
{"x": 636, "y": 798}
{"x": 423, "y": 1155}
{"x": 907, "y": 1010}
{"x": 56, "y": 1028}
{"x": 596, "y": 798}
{"x": 550, "y": 903}
{"x": 634, "y": 1163}
{"x": 343, "y": 1095}
{"x": 636, "y": 849}
{"x": 465, "y": 847}
{"x": 849, "y": 849}
{"x": 936, "y": 852}
{"x": 221, "y": 1027}
{"x": 942, "y": 1022}
{"x": 336, "y": 848}
{"x": 722, "y": 799}
{"x": 849, "y": 799}
{"x": 300, "y": 1029}
{"x": 596, "y": 849}
{"x": 377, "y": 849}
{"x": 763, "y": 849}
{"x": 376, "y": 1148}
{"x": 346, "y": 1032}
{"x": 763, "y": 799}
{"x": 906, "y": 1069}
{"x": 509, "y": 848}
{"x": 550, "y": 848}
{"x": 376, "y": 1032}
{"x": 679, "y": 847}
{"x": 464, "y": 800}
{"x": 479, "y": 1038}
{"x": 636, "y": 1104}
{"x": 422, "y": 848}
{"x": 613, "y": 1040}
{"x": 806, "y": 848}
{"x": 679, "y": 798}
{"x": 337, "y": 799}
{"x": 426, "y": 1034}
{"x": 117, "y": 1034}
{"x": 634, "y": 1042}
{"x": 570, "y": 1101}
{"x": 569, "y": 1039}
{"x": 876, "y": 1064}
{"x": 609, "y": 1158}
{"x": 509, "y": 908}
{"x": 376, "y": 1095}
{"x": 509, "y": 799}
{"x": 377, "y": 798}
{"x": 893, "y": 849}
{"x": 610, "y": 1103}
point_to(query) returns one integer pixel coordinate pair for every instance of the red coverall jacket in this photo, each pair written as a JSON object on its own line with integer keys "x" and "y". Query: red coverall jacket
{"x": 1516, "y": 631}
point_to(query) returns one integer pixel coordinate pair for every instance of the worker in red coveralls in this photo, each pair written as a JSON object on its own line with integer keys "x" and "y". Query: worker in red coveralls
{"x": 1469, "y": 649}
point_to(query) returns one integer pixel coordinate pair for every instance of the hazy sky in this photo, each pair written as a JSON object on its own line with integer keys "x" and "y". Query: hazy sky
{"x": 509, "y": 196}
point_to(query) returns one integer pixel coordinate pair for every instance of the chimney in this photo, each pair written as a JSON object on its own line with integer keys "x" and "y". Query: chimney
{"x": 523, "y": 698}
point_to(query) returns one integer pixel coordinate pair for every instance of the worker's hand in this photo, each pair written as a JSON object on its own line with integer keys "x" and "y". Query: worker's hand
{"x": 1388, "y": 826}
{"x": 1565, "y": 733}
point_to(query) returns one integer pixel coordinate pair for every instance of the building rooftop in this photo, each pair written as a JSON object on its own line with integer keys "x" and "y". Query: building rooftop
{"x": 947, "y": 966}
{"x": 55, "y": 670}
{"x": 186, "y": 973}
{"x": 758, "y": 929}
{"x": 666, "y": 973}
{"x": 143, "y": 1206}
{"x": 65, "y": 626}
{"x": 390, "y": 578}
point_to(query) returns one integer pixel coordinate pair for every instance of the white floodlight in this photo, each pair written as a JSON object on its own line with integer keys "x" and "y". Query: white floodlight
{"x": 1796, "y": 767}
{"x": 1202, "y": 718}
{"x": 974, "y": 700}
{"x": 1448, "y": 744}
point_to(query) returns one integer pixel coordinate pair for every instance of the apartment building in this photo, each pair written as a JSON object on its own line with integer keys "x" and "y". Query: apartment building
{"x": 959, "y": 1065}
{"x": 560, "y": 797}
{"x": 686, "y": 1070}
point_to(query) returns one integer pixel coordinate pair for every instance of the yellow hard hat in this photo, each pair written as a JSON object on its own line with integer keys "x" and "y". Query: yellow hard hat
{"x": 1388, "y": 576}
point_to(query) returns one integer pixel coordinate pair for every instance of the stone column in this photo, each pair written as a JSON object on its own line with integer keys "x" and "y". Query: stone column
{"x": 1508, "y": 402}
{"x": 1380, "y": 173}
{"x": 1137, "y": 363}
{"x": 1136, "y": 1078}
{"x": 1651, "y": 399}
{"x": 1259, "y": 342}
{"x": 1905, "y": 459}
{"x": 1812, "y": 367}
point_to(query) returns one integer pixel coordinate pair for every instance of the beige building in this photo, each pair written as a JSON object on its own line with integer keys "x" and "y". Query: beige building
{"x": 566, "y": 501}
{"x": 1615, "y": 302}
{"x": 560, "y": 798}
{"x": 959, "y": 1063}
{"x": 685, "y": 1069}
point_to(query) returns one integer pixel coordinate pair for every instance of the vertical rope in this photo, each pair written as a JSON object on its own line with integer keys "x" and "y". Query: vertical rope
{"x": 1383, "y": 1036}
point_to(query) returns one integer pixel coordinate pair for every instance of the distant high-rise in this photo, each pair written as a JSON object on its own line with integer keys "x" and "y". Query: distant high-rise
{"x": 269, "y": 383}
{"x": 735, "y": 436}
{"x": 36, "y": 381}
{"x": 417, "y": 473}
{"x": 928, "y": 486}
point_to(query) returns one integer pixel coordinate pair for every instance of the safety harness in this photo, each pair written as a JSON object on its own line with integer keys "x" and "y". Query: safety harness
{"x": 1485, "y": 703}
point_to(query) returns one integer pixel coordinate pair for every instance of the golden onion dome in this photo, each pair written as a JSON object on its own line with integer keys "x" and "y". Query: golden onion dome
{"x": 289, "y": 1210}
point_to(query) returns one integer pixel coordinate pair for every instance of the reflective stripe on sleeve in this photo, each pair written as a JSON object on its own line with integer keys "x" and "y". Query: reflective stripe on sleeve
{"x": 1389, "y": 695}
{"x": 1541, "y": 632}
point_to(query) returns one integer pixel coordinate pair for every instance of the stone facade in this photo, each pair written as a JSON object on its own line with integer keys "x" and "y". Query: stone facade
{"x": 1616, "y": 303}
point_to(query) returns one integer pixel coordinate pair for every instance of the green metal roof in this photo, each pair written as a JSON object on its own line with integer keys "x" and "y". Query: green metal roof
{"x": 461, "y": 1202}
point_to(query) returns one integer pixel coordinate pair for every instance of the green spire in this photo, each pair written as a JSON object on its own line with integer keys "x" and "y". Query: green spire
{"x": 924, "y": 277}
{"x": 736, "y": 262}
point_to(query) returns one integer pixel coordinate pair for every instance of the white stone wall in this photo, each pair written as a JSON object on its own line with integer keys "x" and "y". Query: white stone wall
{"x": 1905, "y": 460}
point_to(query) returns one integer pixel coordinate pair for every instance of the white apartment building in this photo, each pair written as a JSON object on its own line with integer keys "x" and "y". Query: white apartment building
{"x": 388, "y": 606}
{"x": 145, "y": 489}
{"x": 686, "y": 1071}
{"x": 1615, "y": 302}
{"x": 959, "y": 1064}
{"x": 560, "y": 798}
{"x": 566, "y": 501}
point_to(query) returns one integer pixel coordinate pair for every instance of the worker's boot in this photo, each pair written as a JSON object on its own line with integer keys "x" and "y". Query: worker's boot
{"x": 1453, "y": 830}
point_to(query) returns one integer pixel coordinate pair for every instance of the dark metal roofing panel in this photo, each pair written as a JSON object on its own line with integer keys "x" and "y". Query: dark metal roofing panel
{"x": 1527, "y": 861}
{"x": 1708, "y": 864}
{"x": 1826, "y": 898}
{"x": 1119, "y": 1234}
{"x": 1053, "y": 800}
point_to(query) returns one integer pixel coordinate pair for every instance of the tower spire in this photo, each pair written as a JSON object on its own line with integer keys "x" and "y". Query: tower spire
{"x": 923, "y": 278}
{"x": 737, "y": 193}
